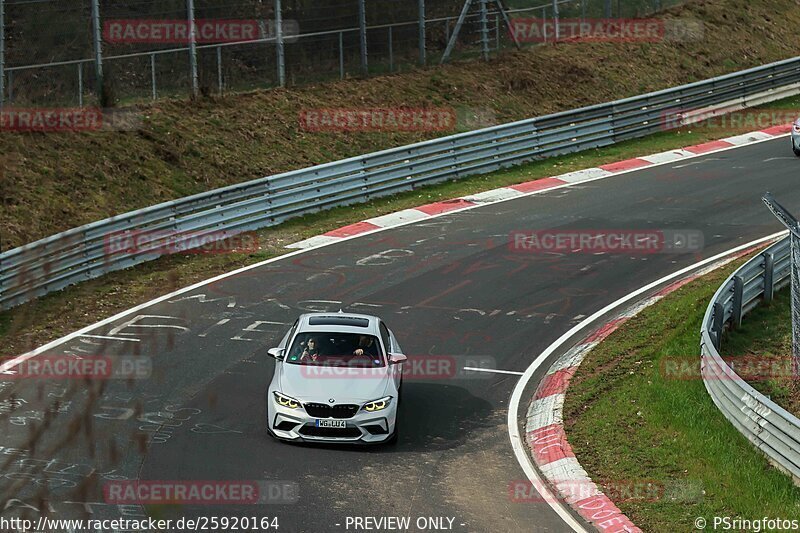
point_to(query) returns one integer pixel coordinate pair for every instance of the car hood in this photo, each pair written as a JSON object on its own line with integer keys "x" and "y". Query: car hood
{"x": 343, "y": 385}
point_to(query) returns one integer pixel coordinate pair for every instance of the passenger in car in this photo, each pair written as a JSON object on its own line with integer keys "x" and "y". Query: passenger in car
{"x": 311, "y": 350}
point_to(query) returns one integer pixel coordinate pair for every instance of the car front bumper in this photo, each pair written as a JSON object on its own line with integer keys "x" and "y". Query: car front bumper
{"x": 298, "y": 425}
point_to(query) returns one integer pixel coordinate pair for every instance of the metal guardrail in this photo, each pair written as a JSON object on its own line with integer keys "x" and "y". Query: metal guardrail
{"x": 770, "y": 428}
{"x": 80, "y": 254}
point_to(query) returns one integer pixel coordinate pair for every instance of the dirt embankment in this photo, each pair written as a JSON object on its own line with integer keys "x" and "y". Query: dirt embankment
{"x": 52, "y": 182}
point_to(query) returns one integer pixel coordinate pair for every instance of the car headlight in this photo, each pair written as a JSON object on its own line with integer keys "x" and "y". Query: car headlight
{"x": 377, "y": 405}
{"x": 286, "y": 401}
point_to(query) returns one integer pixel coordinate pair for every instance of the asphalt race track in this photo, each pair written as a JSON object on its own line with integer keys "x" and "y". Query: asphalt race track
{"x": 449, "y": 287}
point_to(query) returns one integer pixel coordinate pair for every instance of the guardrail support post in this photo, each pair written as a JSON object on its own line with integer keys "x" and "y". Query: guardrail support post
{"x": 769, "y": 276}
{"x": 719, "y": 315}
{"x": 279, "y": 44}
{"x": 192, "y": 46}
{"x": 362, "y": 32}
{"x": 98, "y": 48}
{"x": 738, "y": 292}
{"x": 421, "y": 30}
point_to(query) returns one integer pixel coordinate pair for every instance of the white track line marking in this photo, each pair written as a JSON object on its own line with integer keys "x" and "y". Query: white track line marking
{"x": 517, "y": 443}
{"x": 746, "y": 138}
{"x": 670, "y": 156}
{"x": 397, "y": 217}
{"x": 493, "y": 195}
{"x": 314, "y": 242}
{"x": 106, "y": 337}
{"x": 493, "y": 370}
{"x": 581, "y": 176}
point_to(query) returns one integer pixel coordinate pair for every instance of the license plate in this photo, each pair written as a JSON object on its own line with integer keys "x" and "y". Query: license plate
{"x": 331, "y": 424}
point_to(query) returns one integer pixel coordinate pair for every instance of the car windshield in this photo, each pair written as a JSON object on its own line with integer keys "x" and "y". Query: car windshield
{"x": 336, "y": 349}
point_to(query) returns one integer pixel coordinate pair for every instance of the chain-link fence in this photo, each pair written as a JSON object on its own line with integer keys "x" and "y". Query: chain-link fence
{"x": 82, "y": 52}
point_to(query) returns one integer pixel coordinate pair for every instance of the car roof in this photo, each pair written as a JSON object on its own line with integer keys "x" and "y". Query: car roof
{"x": 339, "y": 322}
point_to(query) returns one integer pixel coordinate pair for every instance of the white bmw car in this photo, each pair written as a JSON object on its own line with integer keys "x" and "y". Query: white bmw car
{"x": 337, "y": 378}
{"x": 796, "y": 137}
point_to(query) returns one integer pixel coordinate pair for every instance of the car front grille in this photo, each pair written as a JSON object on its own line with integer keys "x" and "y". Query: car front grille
{"x": 331, "y": 433}
{"x": 320, "y": 410}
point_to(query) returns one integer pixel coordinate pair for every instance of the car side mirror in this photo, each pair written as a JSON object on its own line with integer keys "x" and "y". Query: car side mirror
{"x": 397, "y": 358}
{"x": 277, "y": 353}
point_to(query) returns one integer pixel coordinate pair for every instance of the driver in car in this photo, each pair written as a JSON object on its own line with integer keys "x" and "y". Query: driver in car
{"x": 366, "y": 347}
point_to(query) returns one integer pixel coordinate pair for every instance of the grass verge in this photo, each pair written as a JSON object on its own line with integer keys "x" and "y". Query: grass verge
{"x": 766, "y": 332}
{"x": 627, "y": 421}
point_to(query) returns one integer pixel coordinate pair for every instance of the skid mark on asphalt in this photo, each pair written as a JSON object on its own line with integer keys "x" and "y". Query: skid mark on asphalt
{"x": 695, "y": 163}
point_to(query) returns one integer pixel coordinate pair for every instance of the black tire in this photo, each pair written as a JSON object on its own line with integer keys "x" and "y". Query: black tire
{"x": 796, "y": 151}
{"x": 270, "y": 432}
{"x": 391, "y": 441}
